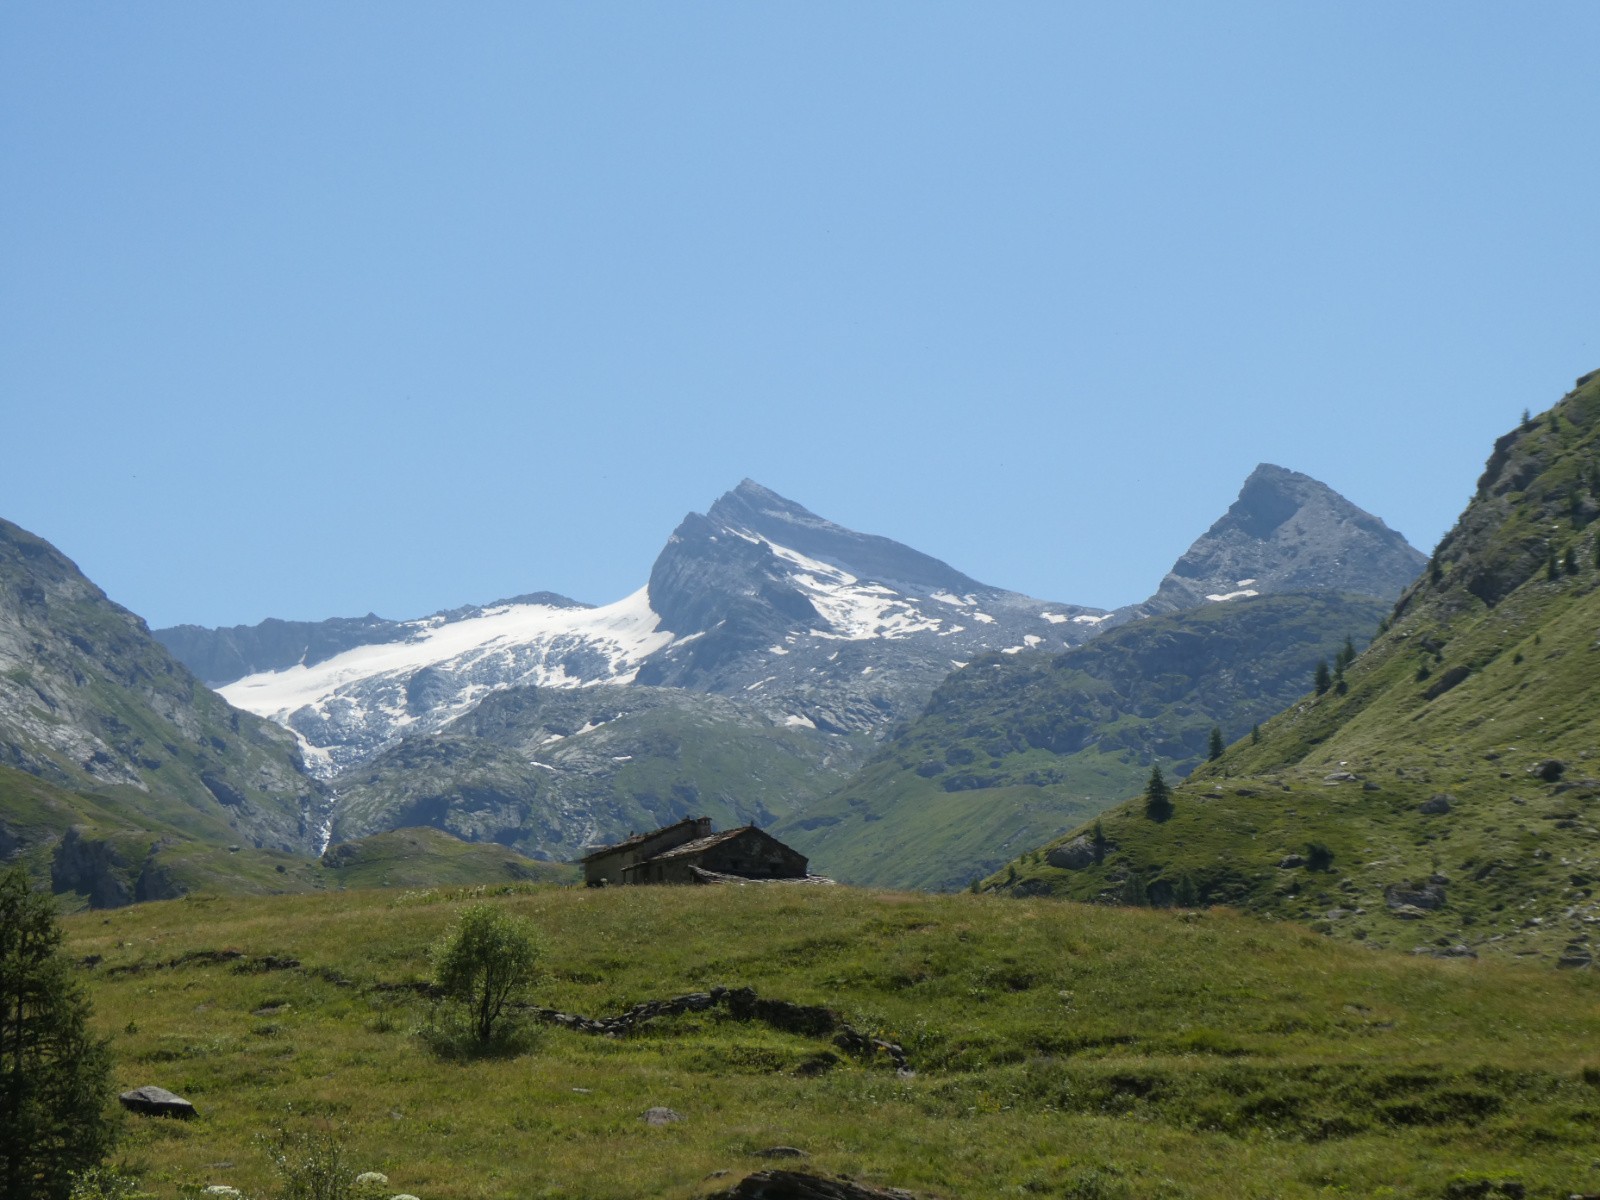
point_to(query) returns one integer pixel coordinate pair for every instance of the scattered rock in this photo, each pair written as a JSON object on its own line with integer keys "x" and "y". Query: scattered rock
{"x": 372, "y": 1179}
{"x": 1406, "y": 894}
{"x": 1549, "y": 769}
{"x": 1339, "y": 777}
{"x": 1290, "y": 861}
{"x": 1436, "y": 806}
{"x": 781, "y": 1152}
{"x": 661, "y": 1116}
{"x": 1369, "y": 786}
{"x": 817, "y": 1064}
{"x": 1074, "y": 856}
{"x": 223, "y": 1190}
{"x": 1407, "y": 912}
{"x": 795, "y": 1185}
{"x": 1457, "y": 951}
{"x": 152, "y": 1101}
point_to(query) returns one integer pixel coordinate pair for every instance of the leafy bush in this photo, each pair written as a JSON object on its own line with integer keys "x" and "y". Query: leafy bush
{"x": 484, "y": 962}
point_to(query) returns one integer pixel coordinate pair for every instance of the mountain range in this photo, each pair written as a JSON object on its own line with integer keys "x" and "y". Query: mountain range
{"x": 769, "y": 656}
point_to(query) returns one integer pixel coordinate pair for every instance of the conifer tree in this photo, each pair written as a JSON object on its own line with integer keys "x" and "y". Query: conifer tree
{"x": 53, "y": 1074}
{"x": 1214, "y": 750}
{"x": 1324, "y": 678}
{"x": 1255, "y": 735}
{"x": 1552, "y": 569}
{"x": 1157, "y": 796}
{"x": 1098, "y": 840}
{"x": 1569, "y": 561}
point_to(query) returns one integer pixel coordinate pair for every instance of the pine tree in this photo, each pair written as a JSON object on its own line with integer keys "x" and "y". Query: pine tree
{"x": 1098, "y": 839}
{"x": 1255, "y": 735}
{"x": 1349, "y": 652}
{"x": 1527, "y": 419}
{"x": 1157, "y": 796}
{"x": 1569, "y": 561}
{"x": 1324, "y": 677}
{"x": 1552, "y": 568}
{"x": 1214, "y": 749}
{"x": 53, "y": 1074}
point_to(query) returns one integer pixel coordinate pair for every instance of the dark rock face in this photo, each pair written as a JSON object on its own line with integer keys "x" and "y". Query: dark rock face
{"x": 1074, "y": 856}
{"x": 152, "y": 1101}
{"x": 1288, "y": 533}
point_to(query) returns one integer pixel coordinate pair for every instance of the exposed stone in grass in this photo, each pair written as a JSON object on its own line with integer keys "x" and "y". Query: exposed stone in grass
{"x": 152, "y": 1101}
{"x": 661, "y": 1116}
{"x": 1074, "y": 855}
{"x": 796, "y": 1185}
{"x": 1436, "y": 805}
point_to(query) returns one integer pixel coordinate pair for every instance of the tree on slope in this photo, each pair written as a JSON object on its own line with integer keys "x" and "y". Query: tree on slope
{"x": 1157, "y": 796}
{"x": 53, "y": 1074}
{"x": 1214, "y": 750}
{"x": 483, "y": 963}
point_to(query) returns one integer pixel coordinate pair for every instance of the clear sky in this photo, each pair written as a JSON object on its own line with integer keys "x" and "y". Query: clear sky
{"x": 310, "y": 309}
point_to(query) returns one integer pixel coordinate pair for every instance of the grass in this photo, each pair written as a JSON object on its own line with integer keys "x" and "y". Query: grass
{"x": 1059, "y": 1049}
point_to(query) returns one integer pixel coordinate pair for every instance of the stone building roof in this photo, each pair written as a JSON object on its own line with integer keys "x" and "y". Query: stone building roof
{"x": 699, "y": 844}
{"x": 639, "y": 838}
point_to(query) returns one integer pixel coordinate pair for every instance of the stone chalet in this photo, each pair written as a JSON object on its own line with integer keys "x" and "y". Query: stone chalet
{"x": 689, "y": 852}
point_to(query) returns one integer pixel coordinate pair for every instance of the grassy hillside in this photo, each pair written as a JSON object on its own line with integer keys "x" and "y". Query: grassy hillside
{"x": 1014, "y": 749}
{"x": 1057, "y": 1050}
{"x": 1454, "y": 779}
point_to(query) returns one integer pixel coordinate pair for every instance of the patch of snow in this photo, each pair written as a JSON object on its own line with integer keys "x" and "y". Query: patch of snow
{"x": 957, "y": 663}
{"x": 1244, "y": 583}
{"x": 984, "y": 617}
{"x": 794, "y": 719}
{"x": 1056, "y": 618}
{"x": 622, "y": 758}
{"x": 760, "y": 683}
{"x": 534, "y": 762}
{"x": 777, "y": 650}
{"x": 1031, "y": 639}
{"x": 1086, "y": 619}
{"x": 1234, "y": 595}
{"x": 953, "y": 601}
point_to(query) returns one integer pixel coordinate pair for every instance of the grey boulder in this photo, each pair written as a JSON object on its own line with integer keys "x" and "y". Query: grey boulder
{"x": 152, "y": 1101}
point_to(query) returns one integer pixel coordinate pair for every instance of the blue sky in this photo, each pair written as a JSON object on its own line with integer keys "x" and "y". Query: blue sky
{"x": 315, "y": 309}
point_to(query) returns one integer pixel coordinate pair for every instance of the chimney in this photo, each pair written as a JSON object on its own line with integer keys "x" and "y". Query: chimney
{"x": 702, "y": 826}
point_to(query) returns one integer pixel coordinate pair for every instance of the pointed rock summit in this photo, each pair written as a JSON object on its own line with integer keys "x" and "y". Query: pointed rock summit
{"x": 1287, "y": 532}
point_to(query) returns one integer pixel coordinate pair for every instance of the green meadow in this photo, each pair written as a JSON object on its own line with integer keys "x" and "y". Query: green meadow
{"x": 1058, "y": 1049}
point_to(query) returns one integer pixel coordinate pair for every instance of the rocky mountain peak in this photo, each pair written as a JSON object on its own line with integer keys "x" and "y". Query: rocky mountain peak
{"x": 1287, "y": 532}
{"x": 759, "y": 510}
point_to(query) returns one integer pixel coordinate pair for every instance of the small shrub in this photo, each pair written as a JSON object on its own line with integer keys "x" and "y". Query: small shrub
{"x": 486, "y": 960}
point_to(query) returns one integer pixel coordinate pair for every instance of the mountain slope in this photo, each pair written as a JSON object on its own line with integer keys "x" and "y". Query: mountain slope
{"x": 1014, "y": 748}
{"x": 554, "y": 771}
{"x": 1287, "y": 532}
{"x": 91, "y": 702}
{"x": 1454, "y": 782}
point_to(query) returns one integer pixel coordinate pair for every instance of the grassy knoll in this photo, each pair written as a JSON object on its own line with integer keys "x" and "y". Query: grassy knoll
{"x": 1060, "y": 1050}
